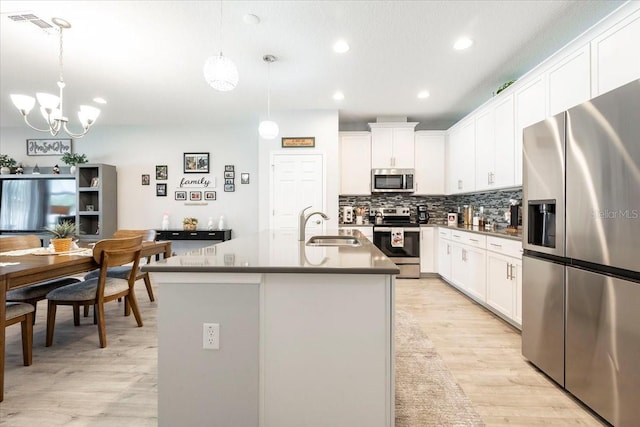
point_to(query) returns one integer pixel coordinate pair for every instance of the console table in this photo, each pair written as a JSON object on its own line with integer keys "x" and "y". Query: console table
{"x": 221, "y": 235}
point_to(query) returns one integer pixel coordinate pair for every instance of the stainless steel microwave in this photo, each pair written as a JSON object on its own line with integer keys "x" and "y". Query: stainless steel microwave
{"x": 392, "y": 181}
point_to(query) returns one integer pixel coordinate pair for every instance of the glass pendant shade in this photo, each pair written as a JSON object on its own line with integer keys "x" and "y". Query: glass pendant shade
{"x": 23, "y": 103}
{"x": 221, "y": 73}
{"x": 48, "y": 101}
{"x": 88, "y": 115}
{"x": 268, "y": 129}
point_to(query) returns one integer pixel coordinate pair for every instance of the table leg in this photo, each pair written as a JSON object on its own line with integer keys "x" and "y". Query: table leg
{"x": 3, "y": 317}
{"x": 167, "y": 250}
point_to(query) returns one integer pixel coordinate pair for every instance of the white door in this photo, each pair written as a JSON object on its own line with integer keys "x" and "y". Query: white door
{"x": 297, "y": 181}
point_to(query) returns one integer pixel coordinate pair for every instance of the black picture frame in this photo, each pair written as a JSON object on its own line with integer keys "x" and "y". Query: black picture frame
{"x": 48, "y": 147}
{"x": 162, "y": 172}
{"x": 229, "y": 174}
{"x": 181, "y": 195}
{"x": 210, "y": 195}
{"x": 196, "y": 162}
{"x": 228, "y": 168}
{"x": 229, "y": 188}
{"x": 229, "y": 181}
{"x": 146, "y": 179}
{"x": 244, "y": 178}
{"x": 195, "y": 196}
{"x": 161, "y": 190}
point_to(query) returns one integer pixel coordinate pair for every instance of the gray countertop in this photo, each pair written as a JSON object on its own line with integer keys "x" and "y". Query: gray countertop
{"x": 501, "y": 232}
{"x": 279, "y": 252}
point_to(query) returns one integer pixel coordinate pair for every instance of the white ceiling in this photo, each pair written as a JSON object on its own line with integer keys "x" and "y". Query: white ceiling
{"x": 145, "y": 57}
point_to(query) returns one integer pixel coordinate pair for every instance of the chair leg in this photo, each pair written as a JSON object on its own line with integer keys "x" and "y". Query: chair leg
{"x": 86, "y": 311}
{"x": 147, "y": 283}
{"x": 95, "y": 315}
{"x": 51, "y": 321}
{"x": 27, "y": 339}
{"x": 131, "y": 298}
{"x": 102, "y": 333}
{"x": 76, "y": 315}
{"x": 34, "y": 303}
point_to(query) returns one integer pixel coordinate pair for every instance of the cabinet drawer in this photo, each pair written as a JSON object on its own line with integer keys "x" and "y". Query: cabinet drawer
{"x": 471, "y": 239}
{"x": 444, "y": 233}
{"x": 507, "y": 247}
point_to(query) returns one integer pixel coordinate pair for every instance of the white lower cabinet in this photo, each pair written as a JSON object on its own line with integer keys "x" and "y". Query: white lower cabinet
{"x": 501, "y": 286}
{"x": 428, "y": 250}
{"x": 444, "y": 253}
{"x": 468, "y": 270}
{"x": 367, "y": 231}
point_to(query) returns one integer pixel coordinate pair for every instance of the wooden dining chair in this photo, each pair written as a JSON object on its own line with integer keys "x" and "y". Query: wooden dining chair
{"x": 38, "y": 291}
{"x": 122, "y": 272}
{"x": 20, "y": 312}
{"x": 102, "y": 289}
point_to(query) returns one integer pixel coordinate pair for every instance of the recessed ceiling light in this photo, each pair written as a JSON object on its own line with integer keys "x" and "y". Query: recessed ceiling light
{"x": 251, "y": 19}
{"x": 423, "y": 94}
{"x": 341, "y": 46}
{"x": 99, "y": 100}
{"x": 338, "y": 96}
{"x": 463, "y": 43}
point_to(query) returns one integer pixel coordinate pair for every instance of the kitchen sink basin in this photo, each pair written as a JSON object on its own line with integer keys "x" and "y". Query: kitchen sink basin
{"x": 334, "y": 241}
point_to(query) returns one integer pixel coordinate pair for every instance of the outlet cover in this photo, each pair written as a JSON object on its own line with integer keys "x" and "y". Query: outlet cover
{"x": 211, "y": 336}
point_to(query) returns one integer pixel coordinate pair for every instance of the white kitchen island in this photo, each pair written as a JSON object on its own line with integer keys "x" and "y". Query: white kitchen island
{"x": 306, "y": 335}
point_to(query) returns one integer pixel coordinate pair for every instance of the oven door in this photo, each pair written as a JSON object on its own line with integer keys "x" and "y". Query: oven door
{"x": 410, "y": 249}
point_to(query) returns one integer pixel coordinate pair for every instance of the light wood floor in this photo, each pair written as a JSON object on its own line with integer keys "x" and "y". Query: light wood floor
{"x": 75, "y": 383}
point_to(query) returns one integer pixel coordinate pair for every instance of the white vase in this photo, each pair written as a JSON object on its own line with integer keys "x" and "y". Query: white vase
{"x": 5, "y": 170}
{"x": 72, "y": 169}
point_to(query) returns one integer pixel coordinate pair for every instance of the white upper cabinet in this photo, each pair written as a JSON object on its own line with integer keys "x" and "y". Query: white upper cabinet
{"x": 503, "y": 174}
{"x": 485, "y": 149}
{"x": 616, "y": 55}
{"x": 570, "y": 81}
{"x": 392, "y": 145}
{"x": 429, "y": 162}
{"x": 355, "y": 166}
{"x": 461, "y": 158}
{"x": 530, "y": 109}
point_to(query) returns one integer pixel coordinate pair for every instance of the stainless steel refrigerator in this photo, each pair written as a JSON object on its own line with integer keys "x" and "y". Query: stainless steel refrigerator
{"x": 581, "y": 267}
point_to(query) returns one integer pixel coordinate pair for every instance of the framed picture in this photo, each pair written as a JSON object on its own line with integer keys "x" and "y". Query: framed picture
{"x": 209, "y": 195}
{"x": 229, "y": 187}
{"x": 161, "y": 190}
{"x": 48, "y": 147}
{"x": 196, "y": 162}
{"x": 228, "y": 181}
{"x": 230, "y": 174}
{"x": 244, "y": 178}
{"x": 228, "y": 168}
{"x": 181, "y": 195}
{"x": 146, "y": 179}
{"x": 162, "y": 172}
{"x": 195, "y": 196}
{"x": 95, "y": 181}
{"x": 309, "y": 141}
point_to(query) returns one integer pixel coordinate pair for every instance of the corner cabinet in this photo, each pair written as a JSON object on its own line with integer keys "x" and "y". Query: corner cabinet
{"x": 97, "y": 212}
{"x": 429, "y": 162}
{"x": 355, "y": 163}
{"x": 392, "y": 145}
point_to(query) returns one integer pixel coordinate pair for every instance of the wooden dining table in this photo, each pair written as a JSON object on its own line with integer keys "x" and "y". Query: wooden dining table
{"x": 37, "y": 268}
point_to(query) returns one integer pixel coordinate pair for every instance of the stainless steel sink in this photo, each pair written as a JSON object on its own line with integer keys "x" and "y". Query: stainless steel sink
{"x": 333, "y": 241}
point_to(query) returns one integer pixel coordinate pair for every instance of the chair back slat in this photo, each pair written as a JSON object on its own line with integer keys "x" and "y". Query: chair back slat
{"x": 14, "y": 243}
{"x": 147, "y": 235}
{"x": 120, "y": 251}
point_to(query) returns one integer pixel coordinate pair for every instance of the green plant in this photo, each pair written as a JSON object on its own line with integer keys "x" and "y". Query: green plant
{"x": 504, "y": 86}
{"x": 73, "y": 159}
{"x": 63, "y": 230}
{"x": 6, "y": 161}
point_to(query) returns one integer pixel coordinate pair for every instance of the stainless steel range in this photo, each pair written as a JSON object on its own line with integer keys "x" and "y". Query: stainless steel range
{"x": 398, "y": 238}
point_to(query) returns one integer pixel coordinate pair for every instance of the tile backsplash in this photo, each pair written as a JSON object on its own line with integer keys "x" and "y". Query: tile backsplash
{"x": 495, "y": 203}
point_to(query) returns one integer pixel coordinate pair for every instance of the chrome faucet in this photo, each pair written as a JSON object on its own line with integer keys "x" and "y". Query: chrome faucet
{"x": 302, "y": 221}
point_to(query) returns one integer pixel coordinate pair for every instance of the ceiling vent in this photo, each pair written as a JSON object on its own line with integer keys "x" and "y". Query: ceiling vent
{"x": 25, "y": 17}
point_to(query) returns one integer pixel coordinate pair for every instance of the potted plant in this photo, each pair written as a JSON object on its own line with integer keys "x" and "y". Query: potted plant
{"x": 6, "y": 163}
{"x": 73, "y": 159}
{"x": 63, "y": 235}
{"x": 190, "y": 224}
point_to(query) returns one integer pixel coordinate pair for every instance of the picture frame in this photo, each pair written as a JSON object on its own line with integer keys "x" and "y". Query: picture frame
{"x": 195, "y": 196}
{"x": 210, "y": 195}
{"x": 229, "y": 181}
{"x": 299, "y": 142}
{"x": 180, "y": 195}
{"x": 229, "y": 174}
{"x": 95, "y": 182}
{"x": 161, "y": 190}
{"x": 228, "y": 168}
{"x": 229, "y": 188}
{"x": 196, "y": 162}
{"x": 48, "y": 147}
{"x": 162, "y": 172}
{"x": 244, "y": 178}
{"x": 146, "y": 179}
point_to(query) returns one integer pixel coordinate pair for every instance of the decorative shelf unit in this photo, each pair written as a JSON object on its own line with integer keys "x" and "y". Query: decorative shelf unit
{"x": 222, "y": 235}
{"x": 97, "y": 201}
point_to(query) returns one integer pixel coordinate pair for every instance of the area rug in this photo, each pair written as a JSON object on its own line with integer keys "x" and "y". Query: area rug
{"x": 426, "y": 392}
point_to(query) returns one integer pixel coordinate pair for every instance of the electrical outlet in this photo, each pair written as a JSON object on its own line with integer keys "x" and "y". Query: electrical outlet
{"x": 211, "y": 336}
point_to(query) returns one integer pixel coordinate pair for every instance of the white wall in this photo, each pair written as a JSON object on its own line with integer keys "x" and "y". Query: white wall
{"x": 137, "y": 150}
{"x": 321, "y": 124}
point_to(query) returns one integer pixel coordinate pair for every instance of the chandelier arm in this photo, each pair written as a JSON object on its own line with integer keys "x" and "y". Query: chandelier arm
{"x": 75, "y": 135}
{"x": 26, "y": 120}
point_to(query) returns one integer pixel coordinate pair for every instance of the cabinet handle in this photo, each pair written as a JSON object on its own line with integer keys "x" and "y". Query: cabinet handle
{"x": 464, "y": 255}
{"x": 459, "y": 184}
{"x": 488, "y": 177}
{"x": 474, "y": 240}
{"x": 511, "y": 268}
{"x": 497, "y": 246}
{"x": 508, "y": 278}
{"x": 448, "y": 250}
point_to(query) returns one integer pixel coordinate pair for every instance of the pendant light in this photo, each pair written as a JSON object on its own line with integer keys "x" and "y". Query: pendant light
{"x": 219, "y": 71}
{"x": 268, "y": 129}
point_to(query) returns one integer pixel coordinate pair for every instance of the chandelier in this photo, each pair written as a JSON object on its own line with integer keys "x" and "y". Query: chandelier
{"x": 51, "y": 105}
{"x": 219, "y": 71}
{"x": 268, "y": 129}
